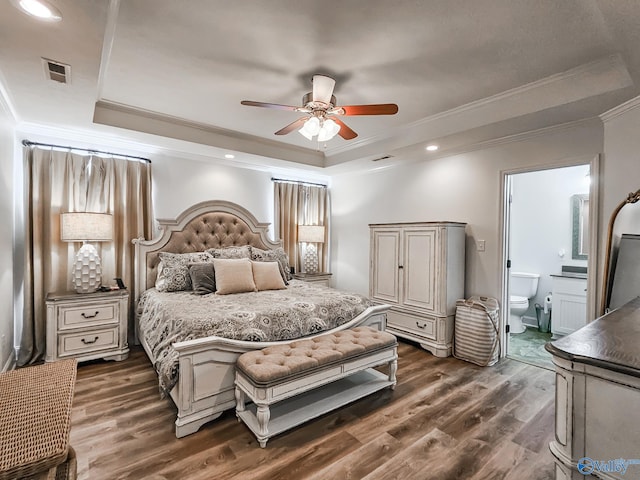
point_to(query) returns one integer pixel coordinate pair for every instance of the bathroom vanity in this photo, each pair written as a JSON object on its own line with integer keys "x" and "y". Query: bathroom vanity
{"x": 597, "y": 425}
{"x": 569, "y": 302}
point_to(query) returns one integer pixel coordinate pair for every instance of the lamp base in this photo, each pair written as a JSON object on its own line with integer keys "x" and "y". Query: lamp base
{"x": 310, "y": 259}
{"x": 86, "y": 276}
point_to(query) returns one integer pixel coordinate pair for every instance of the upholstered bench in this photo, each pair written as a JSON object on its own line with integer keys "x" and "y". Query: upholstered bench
{"x": 295, "y": 382}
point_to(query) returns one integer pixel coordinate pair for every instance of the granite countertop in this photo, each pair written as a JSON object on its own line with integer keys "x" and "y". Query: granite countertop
{"x": 571, "y": 271}
{"x": 609, "y": 342}
{"x": 582, "y": 276}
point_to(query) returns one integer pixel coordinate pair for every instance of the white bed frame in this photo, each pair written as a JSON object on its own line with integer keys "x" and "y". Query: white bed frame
{"x": 205, "y": 385}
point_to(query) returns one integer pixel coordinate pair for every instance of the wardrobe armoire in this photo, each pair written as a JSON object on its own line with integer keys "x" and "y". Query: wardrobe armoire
{"x": 418, "y": 269}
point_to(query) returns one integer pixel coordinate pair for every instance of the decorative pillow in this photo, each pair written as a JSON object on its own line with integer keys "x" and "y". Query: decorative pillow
{"x": 173, "y": 271}
{"x": 231, "y": 252}
{"x": 203, "y": 278}
{"x": 233, "y": 275}
{"x": 266, "y": 276}
{"x": 277, "y": 255}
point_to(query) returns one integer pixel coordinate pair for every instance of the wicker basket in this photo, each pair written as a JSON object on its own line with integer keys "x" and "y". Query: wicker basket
{"x": 476, "y": 331}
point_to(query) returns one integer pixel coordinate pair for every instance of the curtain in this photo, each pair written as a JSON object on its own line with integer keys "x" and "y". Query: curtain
{"x": 64, "y": 181}
{"x": 301, "y": 204}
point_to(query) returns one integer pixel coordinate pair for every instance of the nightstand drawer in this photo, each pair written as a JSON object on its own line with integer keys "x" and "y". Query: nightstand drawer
{"x": 423, "y": 326}
{"x": 84, "y": 316}
{"x": 84, "y": 342}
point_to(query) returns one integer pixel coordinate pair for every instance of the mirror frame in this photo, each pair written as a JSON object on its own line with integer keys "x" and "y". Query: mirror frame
{"x": 577, "y": 231}
{"x": 633, "y": 197}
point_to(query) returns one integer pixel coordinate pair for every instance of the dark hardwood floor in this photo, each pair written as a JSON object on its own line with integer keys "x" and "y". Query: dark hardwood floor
{"x": 446, "y": 419}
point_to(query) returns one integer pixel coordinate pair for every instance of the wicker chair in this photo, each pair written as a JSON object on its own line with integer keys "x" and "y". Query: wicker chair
{"x": 35, "y": 419}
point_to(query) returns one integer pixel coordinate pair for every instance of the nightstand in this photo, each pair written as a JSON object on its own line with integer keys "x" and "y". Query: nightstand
{"x": 322, "y": 278}
{"x": 86, "y": 326}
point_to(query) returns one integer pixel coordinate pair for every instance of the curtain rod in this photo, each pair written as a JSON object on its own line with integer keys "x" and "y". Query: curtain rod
{"x": 28, "y": 143}
{"x": 283, "y": 180}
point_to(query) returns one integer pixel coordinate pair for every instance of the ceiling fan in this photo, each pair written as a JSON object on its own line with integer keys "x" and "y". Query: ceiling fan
{"x": 322, "y": 112}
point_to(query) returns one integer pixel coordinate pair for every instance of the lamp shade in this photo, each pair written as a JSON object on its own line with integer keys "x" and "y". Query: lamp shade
{"x": 86, "y": 227}
{"x": 311, "y": 233}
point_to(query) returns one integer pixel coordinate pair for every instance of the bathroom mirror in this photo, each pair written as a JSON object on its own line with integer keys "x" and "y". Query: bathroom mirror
{"x": 580, "y": 226}
{"x": 625, "y": 219}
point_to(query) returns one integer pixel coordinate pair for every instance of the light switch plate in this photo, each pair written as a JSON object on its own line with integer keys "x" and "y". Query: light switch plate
{"x": 480, "y": 245}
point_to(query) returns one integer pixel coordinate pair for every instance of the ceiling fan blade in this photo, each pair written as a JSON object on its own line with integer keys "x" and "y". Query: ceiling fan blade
{"x": 345, "y": 131}
{"x": 323, "y": 88}
{"x": 251, "y": 103}
{"x": 378, "y": 109}
{"x": 292, "y": 126}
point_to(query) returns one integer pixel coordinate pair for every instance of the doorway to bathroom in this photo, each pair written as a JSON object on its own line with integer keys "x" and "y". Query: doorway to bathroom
{"x": 546, "y": 236}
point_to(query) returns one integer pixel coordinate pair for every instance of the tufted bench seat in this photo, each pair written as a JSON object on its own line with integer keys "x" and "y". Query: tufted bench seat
{"x": 308, "y": 378}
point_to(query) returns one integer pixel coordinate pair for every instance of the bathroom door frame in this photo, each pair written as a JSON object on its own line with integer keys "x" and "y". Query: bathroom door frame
{"x": 506, "y": 181}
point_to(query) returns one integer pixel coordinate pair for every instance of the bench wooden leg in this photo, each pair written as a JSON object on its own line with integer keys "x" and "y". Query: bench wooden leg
{"x": 239, "y": 401}
{"x": 393, "y": 368}
{"x": 263, "y": 414}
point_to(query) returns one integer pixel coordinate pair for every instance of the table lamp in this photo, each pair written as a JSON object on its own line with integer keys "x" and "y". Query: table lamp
{"x": 310, "y": 234}
{"x": 86, "y": 275}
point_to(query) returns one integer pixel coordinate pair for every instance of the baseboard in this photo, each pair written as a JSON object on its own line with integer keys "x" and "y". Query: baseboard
{"x": 10, "y": 364}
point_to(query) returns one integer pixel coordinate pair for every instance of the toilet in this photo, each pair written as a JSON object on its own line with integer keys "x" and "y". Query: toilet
{"x": 522, "y": 287}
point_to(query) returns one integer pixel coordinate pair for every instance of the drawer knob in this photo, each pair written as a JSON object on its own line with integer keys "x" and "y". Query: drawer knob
{"x": 89, "y": 342}
{"x": 421, "y": 326}
{"x": 84, "y": 315}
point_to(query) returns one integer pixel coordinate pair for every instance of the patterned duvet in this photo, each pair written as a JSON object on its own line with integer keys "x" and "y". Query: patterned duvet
{"x": 301, "y": 309}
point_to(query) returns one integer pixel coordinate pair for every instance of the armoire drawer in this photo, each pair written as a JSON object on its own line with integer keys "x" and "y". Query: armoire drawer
{"x": 422, "y": 326}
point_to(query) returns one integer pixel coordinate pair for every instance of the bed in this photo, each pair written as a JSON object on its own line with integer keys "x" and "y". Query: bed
{"x": 202, "y": 383}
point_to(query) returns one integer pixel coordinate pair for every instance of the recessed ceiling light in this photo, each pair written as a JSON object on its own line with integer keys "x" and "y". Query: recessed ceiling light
{"x": 229, "y": 155}
{"x": 41, "y": 9}
{"x": 432, "y": 148}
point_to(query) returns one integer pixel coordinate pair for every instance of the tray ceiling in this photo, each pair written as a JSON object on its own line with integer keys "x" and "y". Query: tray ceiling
{"x": 180, "y": 69}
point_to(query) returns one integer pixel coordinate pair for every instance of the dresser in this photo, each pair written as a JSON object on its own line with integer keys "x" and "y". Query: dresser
{"x": 418, "y": 269}
{"x": 597, "y": 427}
{"x": 87, "y": 326}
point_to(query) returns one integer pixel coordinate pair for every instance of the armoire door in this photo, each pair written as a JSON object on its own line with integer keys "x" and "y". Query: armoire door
{"x": 420, "y": 268}
{"x": 385, "y": 260}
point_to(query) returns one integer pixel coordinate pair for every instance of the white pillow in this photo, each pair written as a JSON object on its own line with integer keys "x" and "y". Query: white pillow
{"x": 266, "y": 276}
{"x": 233, "y": 276}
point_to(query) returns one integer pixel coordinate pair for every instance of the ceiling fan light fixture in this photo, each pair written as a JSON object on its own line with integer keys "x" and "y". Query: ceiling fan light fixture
{"x": 323, "y": 88}
{"x": 328, "y": 130}
{"x": 311, "y": 128}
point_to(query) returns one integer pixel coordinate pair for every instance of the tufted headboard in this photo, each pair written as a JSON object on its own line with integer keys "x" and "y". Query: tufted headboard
{"x": 212, "y": 224}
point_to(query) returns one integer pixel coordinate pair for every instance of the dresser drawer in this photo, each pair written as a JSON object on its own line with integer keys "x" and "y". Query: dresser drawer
{"x": 86, "y": 316}
{"x": 422, "y": 326}
{"x": 83, "y": 342}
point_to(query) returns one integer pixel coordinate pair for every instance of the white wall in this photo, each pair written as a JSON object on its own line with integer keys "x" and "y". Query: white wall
{"x": 621, "y": 169}
{"x": 6, "y": 240}
{"x": 465, "y": 188}
{"x": 180, "y": 183}
{"x": 541, "y": 223}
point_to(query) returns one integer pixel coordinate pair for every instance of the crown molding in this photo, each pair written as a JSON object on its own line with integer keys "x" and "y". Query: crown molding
{"x": 117, "y": 142}
{"x": 620, "y": 109}
{"x": 515, "y": 138}
{"x": 5, "y": 101}
{"x": 136, "y": 119}
{"x": 107, "y": 45}
{"x": 612, "y": 65}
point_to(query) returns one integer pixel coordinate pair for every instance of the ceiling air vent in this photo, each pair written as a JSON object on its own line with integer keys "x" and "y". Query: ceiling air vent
{"x": 56, "y": 71}
{"x": 384, "y": 157}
